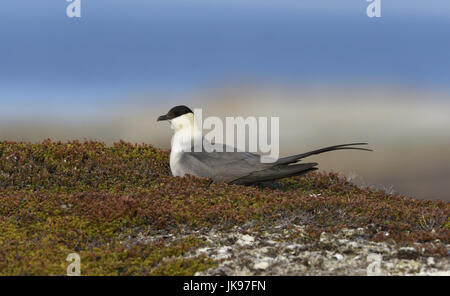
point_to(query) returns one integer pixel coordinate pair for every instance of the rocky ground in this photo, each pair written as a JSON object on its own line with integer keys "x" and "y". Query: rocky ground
{"x": 283, "y": 249}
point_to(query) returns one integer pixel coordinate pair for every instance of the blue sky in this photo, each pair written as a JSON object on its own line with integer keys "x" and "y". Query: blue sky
{"x": 123, "y": 47}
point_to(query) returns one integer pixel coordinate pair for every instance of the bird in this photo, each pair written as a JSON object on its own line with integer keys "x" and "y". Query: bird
{"x": 236, "y": 167}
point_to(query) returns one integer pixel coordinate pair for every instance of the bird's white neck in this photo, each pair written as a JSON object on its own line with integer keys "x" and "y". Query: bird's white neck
{"x": 185, "y": 132}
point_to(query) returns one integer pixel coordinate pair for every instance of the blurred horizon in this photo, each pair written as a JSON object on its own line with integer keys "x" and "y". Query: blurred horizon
{"x": 330, "y": 72}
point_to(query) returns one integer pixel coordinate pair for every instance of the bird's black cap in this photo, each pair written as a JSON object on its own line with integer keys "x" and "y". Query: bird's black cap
{"x": 175, "y": 112}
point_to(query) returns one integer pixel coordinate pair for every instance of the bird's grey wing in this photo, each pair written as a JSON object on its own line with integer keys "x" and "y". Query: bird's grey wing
{"x": 222, "y": 166}
{"x": 276, "y": 172}
{"x": 246, "y": 168}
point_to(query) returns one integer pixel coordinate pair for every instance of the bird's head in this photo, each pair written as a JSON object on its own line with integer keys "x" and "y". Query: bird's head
{"x": 180, "y": 117}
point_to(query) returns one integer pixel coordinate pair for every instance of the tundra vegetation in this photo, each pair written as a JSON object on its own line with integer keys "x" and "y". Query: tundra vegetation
{"x": 100, "y": 201}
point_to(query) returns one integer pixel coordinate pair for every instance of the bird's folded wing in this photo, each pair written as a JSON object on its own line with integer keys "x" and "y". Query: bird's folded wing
{"x": 222, "y": 166}
{"x": 244, "y": 167}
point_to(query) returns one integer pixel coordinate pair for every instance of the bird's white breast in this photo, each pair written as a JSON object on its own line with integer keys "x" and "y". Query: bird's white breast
{"x": 178, "y": 148}
{"x": 182, "y": 141}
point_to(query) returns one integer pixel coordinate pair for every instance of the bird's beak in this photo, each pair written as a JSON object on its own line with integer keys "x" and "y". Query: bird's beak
{"x": 162, "y": 117}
